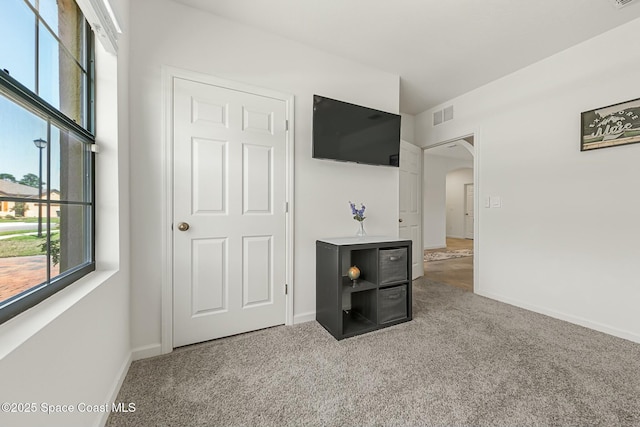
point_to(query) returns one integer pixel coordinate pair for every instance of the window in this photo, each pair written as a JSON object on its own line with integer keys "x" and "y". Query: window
{"x": 46, "y": 156}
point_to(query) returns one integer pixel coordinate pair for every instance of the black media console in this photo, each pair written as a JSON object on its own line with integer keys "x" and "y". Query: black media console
{"x": 381, "y": 296}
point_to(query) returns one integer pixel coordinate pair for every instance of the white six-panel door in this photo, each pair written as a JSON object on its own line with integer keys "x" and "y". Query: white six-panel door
{"x": 229, "y": 188}
{"x": 410, "y": 225}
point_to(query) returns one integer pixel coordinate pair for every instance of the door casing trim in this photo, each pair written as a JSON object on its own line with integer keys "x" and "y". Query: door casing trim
{"x": 168, "y": 75}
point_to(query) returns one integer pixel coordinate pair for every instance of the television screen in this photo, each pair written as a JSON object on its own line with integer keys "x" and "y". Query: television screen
{"x": 352, "y": 133}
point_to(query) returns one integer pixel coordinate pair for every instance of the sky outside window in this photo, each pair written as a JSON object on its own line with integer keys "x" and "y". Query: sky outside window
{"x": 17, "y": 42}
{"x": 18, "y": 127}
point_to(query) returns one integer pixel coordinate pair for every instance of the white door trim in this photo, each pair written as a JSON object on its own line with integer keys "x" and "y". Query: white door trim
{"x": 168, "y": 75}
{"x": 477, "y": 138}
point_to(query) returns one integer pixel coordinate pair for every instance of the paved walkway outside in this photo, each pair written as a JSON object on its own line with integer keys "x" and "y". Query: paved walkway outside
{"x": 21, "y": 273}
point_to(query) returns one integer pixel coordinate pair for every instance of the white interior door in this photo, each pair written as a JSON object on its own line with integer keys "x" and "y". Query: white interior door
{"x": 410, "y": 203}
{"x": 468, "y": 211}
{"x": 230, "y": 188}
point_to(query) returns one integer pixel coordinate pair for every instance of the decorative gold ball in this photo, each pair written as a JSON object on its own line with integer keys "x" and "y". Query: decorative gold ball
{"x": 353, "y": 273}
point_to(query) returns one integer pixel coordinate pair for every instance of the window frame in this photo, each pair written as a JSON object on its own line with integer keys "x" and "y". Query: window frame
{"x": 24, "y": 97}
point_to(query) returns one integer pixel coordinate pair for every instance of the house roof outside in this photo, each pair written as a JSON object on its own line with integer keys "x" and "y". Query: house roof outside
{"x": 14, "y": 189}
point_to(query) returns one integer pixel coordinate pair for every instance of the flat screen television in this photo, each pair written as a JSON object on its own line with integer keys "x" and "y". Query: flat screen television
{"x": 352, "y": 133}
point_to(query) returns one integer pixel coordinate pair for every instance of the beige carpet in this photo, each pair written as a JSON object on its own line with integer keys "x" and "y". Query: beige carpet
{"x": 463, "y": 361}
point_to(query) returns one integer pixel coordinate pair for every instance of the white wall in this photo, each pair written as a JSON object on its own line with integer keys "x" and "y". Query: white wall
{"x": 168, "y": 33}
{"x": 455, "y": 195}
{"x": 407, "y": 124}
{"x": 563, "y": 242}
{"x": 75, "y": 346}
{"x": 434, "y": 202}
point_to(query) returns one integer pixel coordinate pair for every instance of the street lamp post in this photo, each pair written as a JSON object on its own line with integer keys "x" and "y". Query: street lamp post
{"x": 40, "y": 144}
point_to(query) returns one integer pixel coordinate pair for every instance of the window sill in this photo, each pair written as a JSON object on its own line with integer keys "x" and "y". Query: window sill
{"x": 19, "y": 329}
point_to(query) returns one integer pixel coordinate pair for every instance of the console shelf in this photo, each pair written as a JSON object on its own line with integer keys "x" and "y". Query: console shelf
{"x": 382, "y": 294}
{"x": 361, "y": 285}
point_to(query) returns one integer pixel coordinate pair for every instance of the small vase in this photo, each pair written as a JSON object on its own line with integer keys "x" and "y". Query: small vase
{"x": 361, "y": 232}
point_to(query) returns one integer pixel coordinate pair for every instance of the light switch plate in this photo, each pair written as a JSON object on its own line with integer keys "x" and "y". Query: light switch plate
{"x": 496, "y": 201}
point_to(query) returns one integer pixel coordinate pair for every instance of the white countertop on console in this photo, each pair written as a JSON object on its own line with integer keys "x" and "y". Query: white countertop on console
{"x": 355, "y": 240}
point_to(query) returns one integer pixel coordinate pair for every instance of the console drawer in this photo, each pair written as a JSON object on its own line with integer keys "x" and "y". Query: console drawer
{"x": 393, "y": 265}
{"x": 392, "y": 304}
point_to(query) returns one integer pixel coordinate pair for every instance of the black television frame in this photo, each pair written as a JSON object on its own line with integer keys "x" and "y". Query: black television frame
{"x": 361, "y": 112}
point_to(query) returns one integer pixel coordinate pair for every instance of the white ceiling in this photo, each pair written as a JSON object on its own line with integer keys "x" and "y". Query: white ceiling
{"x": 440, "y": 49}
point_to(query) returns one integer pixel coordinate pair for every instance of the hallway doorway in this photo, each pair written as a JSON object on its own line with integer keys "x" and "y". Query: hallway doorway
{"x": 449, "y": 213}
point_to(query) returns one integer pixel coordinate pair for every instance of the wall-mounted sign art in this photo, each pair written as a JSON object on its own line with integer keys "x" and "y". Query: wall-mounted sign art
{"x": 617, "y": 124}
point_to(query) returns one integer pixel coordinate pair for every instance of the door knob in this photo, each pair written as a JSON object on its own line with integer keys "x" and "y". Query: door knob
{"x": 401, "y": 220}
{"x": 183, "y": 226}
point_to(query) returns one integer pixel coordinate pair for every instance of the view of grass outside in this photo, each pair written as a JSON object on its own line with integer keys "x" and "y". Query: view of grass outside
{"x": 25, "y": 245}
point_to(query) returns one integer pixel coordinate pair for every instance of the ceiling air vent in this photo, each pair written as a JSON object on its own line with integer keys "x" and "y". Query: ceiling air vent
{"x": 448, "y": 113}
{"x": 437, "y": 117}
{"x": 442, "y": 116}
{"x": 621, "y": 3}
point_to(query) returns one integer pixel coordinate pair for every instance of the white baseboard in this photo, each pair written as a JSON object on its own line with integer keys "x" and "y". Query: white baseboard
{"x": 620, "y": 333}
{"x": 304, "y": 317}
{"x": 115, "y": 389}
{"x": 428, "y": 247}
{"x": 146, "y": 351}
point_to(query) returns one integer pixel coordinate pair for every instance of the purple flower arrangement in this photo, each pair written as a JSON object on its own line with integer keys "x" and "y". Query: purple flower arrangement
{"x": 358, "y": 214}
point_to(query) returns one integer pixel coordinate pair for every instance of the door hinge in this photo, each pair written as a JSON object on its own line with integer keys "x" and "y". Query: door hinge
{"x": 286, "y": 289}
{"x": 286, "y": 207}
{"x": 286, "y": 125}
